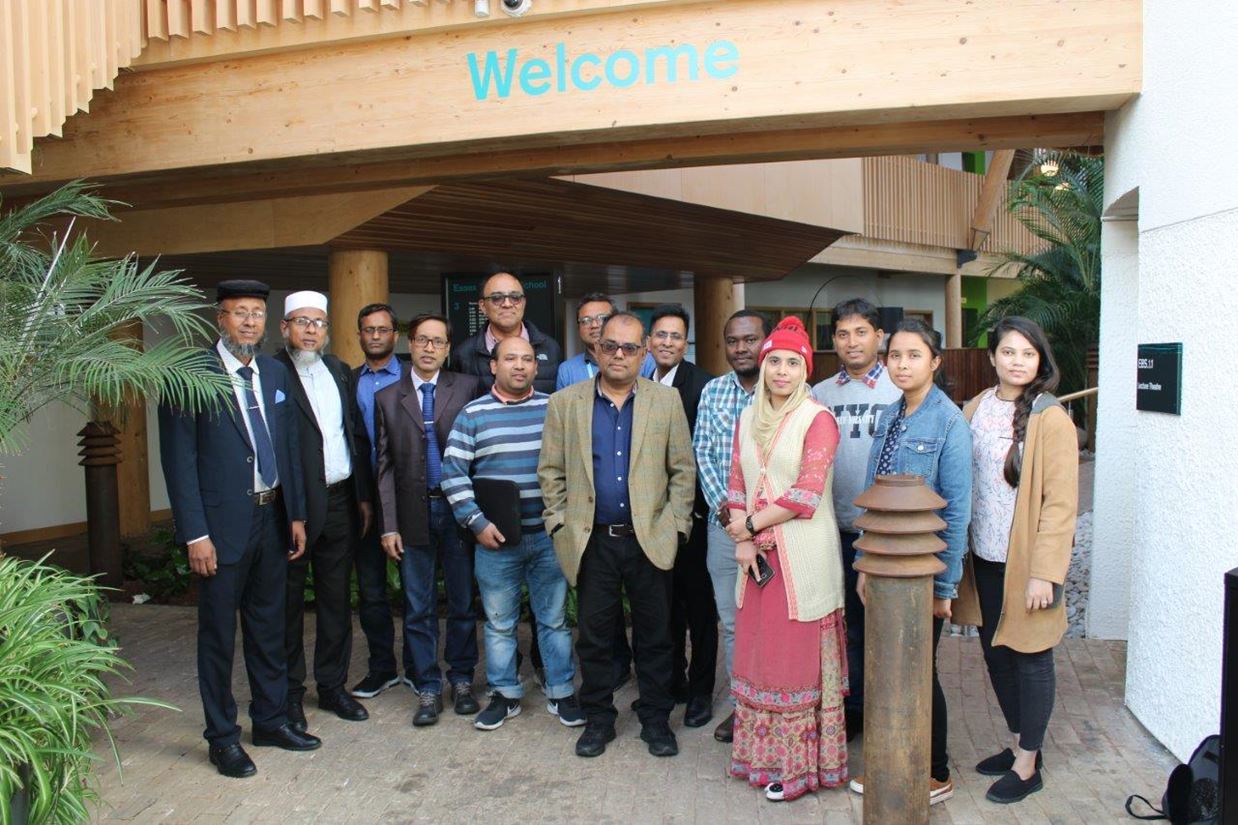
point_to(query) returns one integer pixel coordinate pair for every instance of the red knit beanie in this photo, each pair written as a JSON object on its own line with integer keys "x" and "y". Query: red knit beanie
{"x": 790, "y": 335}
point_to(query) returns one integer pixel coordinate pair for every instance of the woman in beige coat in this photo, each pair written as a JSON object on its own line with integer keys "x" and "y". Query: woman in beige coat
{"x": 1025, "y": 480}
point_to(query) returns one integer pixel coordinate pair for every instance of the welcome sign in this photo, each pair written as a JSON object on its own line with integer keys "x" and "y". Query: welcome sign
{"x": 498, "y": 77}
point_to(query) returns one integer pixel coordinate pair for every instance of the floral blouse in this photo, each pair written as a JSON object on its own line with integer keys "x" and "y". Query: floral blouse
{"x": 992, "y": 498}
{"x": 803, "y": 497}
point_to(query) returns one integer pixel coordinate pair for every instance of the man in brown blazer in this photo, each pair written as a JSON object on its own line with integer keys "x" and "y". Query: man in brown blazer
{"x": 412, "y": 419}
{"x": 618, "y": 480}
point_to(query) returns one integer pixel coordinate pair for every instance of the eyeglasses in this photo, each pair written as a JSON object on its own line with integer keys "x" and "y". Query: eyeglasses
{"x": 302, "y": 322}
{"x": 372, "y": 331}
{"x": 667, "y": 335}
{"x": 437, "y": 343}
{"x": 611, "y": 347}
{"x": 500, "y": 298}
{"x": 242, "y": 315}
{"x": 590, "y": 320}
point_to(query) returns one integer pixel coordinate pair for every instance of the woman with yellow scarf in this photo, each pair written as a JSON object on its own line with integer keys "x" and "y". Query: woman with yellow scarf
{"x": 790, "y": 670}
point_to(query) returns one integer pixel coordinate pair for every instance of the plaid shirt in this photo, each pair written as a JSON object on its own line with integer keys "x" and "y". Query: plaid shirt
{"x": 722, "y": 400}
{"x": 870, "y": 377}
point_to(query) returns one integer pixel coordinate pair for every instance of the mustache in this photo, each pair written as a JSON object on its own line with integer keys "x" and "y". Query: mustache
{"x": 238, "y": 349}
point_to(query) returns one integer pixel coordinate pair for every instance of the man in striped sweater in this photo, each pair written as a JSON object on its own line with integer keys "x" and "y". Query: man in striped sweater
{"x": 500, "y": 436}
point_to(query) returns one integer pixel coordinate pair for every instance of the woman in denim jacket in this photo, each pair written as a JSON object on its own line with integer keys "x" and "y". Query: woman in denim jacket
{"x": 926, "y": 435}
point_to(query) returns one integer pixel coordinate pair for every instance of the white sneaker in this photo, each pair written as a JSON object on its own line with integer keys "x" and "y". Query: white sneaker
{"x": 773, "y": 791}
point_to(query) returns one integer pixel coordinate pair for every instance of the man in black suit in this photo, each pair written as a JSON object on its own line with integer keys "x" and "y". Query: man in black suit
{"x": 335, "y": 465}
{"x": 234, "y": 481}
{"x": 412, "y": 419}
{"x": 693, "y": 611}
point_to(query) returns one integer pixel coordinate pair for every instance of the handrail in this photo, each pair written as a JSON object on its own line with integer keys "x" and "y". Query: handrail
{"x": 1075, "y": 395}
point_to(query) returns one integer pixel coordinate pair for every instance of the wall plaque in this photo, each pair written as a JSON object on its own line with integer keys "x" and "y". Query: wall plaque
{"x": 1158, "y": 382}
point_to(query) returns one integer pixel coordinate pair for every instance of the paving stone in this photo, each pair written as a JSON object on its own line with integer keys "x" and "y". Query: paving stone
{"x": 385, "y": 771}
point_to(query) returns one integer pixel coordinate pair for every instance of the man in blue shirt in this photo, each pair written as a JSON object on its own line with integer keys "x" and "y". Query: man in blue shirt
{"x": 591, "y": 316}
{"x": 377, "y": 329}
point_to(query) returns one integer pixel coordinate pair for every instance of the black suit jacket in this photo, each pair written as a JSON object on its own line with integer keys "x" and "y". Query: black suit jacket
{"x": 313, "y": 464}
{"x": 208, "y": 463}
{"x": 400, "y": 436}
{"x": 690, "y": 380}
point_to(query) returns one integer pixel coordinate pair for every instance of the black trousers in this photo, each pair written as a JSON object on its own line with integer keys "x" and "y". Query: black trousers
{"x": 854, "y": 615}
{"x": 939, "y": 764}
{"x": 373, "y": 606}
{"x": 609, "y": 566}
{"x": 331, "y": 557}
{"x": 254, "y": 586}
{"x": 693, "y": 614}
{"x": 1024, "y": 682}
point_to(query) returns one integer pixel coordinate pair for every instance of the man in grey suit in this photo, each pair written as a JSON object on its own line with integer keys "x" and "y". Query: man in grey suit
{"x": 412, "y": 419}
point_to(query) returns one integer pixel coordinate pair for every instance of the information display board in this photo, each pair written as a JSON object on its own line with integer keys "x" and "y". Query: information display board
{"x": 461, "y": 292}
{"x": 1158, "y": 381}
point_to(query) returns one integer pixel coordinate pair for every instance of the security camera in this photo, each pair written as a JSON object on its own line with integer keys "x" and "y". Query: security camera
{"x": 517, "y": 8}
{"x": 481, "y": 8}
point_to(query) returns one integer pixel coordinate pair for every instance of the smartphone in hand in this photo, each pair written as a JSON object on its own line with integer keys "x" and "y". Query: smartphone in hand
{"x": 764, "y": 572}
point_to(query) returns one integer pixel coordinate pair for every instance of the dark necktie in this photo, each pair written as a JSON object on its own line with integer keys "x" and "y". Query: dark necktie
{"x": 262, "y": 438}
{"x": 434, "y": 459}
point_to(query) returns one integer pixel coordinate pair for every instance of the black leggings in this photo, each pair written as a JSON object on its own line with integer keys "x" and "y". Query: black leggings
{"x": 1024, "y": 682}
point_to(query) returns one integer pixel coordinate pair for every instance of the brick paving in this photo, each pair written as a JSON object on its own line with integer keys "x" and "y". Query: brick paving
{"x": 385, "y": 771}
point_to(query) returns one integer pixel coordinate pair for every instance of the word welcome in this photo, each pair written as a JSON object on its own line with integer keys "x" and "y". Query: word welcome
{"x": 588, "y": 71}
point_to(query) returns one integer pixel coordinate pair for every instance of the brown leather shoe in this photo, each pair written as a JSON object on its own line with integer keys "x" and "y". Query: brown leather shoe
{"x": 725, "y": 732}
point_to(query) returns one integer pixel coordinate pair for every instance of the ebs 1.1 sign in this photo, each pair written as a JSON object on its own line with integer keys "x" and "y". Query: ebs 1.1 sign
{"x": 1158, "y": 378}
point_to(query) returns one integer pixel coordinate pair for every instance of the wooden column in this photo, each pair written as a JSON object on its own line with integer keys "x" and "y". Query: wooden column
{"x": 714, "y": 299}
{"x": 356, "y": 277}
{"x": 954, "y": 311}
{"x": 133, "y": 470}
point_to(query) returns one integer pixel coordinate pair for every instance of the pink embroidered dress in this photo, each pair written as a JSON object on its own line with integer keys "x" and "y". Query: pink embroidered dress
{"x": 789, "y": 676}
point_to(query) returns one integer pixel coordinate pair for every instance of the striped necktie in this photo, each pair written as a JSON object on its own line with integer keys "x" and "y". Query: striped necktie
{"x": 262, "y": 438}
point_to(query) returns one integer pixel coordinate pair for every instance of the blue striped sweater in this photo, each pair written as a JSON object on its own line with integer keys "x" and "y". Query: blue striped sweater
{"x": 493, "y": 439}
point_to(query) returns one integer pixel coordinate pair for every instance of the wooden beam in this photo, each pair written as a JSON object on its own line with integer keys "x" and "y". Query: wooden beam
{"x": 992, "y": 193}
{"x": 333, "y": 174}
{"x": 775, "y": 65}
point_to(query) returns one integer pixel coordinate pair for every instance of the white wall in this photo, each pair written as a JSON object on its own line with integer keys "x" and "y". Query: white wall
{"x": 1170, "y": 144}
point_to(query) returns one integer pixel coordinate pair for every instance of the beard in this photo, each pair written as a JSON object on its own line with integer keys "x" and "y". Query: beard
{"x": 304, "y": 357}
{"x": 238, "y": 350}
{"x": 752, "y": 373}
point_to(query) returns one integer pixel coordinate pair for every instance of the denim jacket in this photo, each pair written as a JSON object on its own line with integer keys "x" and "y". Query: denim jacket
{"x": 935, "y": 444}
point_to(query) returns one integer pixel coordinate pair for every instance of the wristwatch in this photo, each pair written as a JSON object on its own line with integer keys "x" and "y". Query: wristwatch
{"x": 752, "y": 531}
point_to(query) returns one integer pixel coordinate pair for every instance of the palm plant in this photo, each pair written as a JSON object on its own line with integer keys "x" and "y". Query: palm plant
{"x": 55, "y": 657}
{"x": 63, "y": 313}
{"x": 1059, "y": 199}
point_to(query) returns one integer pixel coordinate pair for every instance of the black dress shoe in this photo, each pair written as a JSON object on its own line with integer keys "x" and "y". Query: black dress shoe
{"x": 700, "y": 711}
{"x": 429, "y": 707}
{"x": 233, "y": 761}
{"x": 1010, "y": 788}
{"x": 593, "y": 741}
{"x": 659, "y": 738}
{"x": 287, "y": 738}
{"x": 463, "y": 700}
{"x": 999, "y": 763}
{"x": 725, "y": 732}
{"x": 342, "y": 705}
{"x": 296, "y": 715}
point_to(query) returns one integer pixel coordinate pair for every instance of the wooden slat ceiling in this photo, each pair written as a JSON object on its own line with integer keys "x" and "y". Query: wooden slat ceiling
{"x": 594, "y": 238}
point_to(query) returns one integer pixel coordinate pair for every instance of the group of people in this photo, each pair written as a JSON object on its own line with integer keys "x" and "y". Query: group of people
{"x": 719, "y": 508}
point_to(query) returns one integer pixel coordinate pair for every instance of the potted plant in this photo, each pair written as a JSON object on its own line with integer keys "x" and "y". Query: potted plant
{"x": 55, "y": 659}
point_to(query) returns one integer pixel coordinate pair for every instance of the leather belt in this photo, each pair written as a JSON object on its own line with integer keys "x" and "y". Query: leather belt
{"x": 616, "y": 531}
{"x": 339, "y": 486}
{"x": 266, "y": 497}
{"x": 437, "y": 492}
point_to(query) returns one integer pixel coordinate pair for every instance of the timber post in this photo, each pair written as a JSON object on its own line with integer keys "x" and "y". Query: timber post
{"x": 100, "y": 454}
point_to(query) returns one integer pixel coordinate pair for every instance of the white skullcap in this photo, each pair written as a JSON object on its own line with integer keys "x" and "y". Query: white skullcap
{"x": 306, "y": 299}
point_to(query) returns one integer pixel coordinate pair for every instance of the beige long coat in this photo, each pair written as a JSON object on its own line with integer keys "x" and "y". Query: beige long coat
{"x": 1041, "y": 534}
{"x": 661, "y": 472}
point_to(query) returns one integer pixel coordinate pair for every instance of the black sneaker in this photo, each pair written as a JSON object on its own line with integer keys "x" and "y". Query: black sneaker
{"x": 463, "y": 701}
{"x": 593, "y": 741}
{"x": 430, "y": 705}
{"x": 497, "y": 712}
{"x": 1010, "y": 788}
{"x": 374, "y": 684}
{"x": 568, "y": 710}
{"x": 659, "y": 738}
{"x": 999, "y": 763}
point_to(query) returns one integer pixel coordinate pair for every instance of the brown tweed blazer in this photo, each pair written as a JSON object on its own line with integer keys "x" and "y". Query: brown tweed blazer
{"x": 661, "y": 474}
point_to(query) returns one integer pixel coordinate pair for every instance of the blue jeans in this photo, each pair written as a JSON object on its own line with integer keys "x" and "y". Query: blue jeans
{"x": 720, "y": 559}
{"x": 417, "y": 570}
{"x": 500, "y": 573}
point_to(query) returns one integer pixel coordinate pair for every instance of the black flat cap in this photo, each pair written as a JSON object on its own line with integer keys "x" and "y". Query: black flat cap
{"x": 239, "y": 288}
